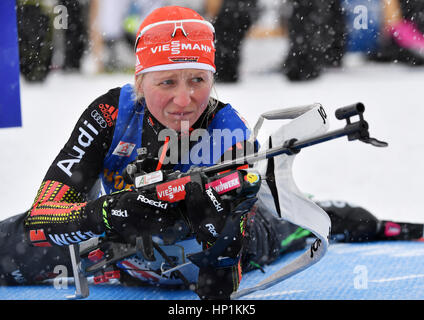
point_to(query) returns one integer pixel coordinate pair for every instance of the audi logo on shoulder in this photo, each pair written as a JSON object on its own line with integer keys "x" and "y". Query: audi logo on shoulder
{"x": 99, "y": 119}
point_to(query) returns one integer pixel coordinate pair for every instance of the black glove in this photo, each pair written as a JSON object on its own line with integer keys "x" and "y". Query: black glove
{"x": 131, "y": 214}
{"x": 206, "y": 212}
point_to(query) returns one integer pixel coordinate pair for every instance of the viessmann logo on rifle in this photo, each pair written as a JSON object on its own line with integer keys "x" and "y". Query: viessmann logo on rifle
{"x": 173, "y": 190}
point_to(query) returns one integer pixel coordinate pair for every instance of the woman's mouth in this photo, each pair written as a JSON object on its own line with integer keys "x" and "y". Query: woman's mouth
{"x": 180, "y": 115}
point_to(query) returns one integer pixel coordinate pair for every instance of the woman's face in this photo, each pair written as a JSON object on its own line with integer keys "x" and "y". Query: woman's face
{"x": 175, "y": 96}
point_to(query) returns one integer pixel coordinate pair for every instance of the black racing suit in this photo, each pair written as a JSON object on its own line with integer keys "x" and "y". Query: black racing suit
{"x": 28, "y": 258}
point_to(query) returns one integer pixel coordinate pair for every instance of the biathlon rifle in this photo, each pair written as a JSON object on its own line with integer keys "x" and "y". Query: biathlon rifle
{"x": 239, "y": 182}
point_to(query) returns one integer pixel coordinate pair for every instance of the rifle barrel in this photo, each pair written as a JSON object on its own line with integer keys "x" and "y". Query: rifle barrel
{"x": 272, "y": 152}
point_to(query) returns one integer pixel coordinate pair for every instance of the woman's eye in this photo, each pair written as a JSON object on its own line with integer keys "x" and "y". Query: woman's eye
{"x": 197, "y": 79}
{"x": 167, "y": 82}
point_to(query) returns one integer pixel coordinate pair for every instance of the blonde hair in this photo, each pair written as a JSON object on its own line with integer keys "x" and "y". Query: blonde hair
{"x": 138, "y": 80}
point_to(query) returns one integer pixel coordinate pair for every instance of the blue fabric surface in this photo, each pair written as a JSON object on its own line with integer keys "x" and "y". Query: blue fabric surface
{"x": 389, "y": 270}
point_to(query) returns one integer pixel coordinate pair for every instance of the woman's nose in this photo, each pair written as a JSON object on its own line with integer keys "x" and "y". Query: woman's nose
{"x": 182, "y": 96}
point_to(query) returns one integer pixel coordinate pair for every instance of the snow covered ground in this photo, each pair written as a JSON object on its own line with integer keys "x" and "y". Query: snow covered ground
{"x": 387, "y": 181}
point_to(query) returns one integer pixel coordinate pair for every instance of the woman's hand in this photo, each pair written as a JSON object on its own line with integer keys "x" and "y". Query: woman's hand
{"x": 132, "y": 214}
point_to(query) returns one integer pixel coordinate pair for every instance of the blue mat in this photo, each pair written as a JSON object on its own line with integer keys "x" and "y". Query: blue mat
{"x": 369, "y": 271}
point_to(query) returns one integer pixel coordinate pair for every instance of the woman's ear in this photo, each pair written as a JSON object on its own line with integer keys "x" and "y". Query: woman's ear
{"x": 138, "y": 86}
{"x": 138, "y": 83}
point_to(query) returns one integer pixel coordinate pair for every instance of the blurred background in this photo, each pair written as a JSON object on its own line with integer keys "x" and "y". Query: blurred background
{"x": 96, "y": 36}
{"x": 270, "y": 54}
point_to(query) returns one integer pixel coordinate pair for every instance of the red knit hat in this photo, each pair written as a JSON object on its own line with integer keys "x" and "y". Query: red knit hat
{"x": 174, "y": 38}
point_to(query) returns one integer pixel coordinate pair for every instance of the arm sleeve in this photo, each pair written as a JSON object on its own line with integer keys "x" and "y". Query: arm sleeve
{"x": 59, "y": 215}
